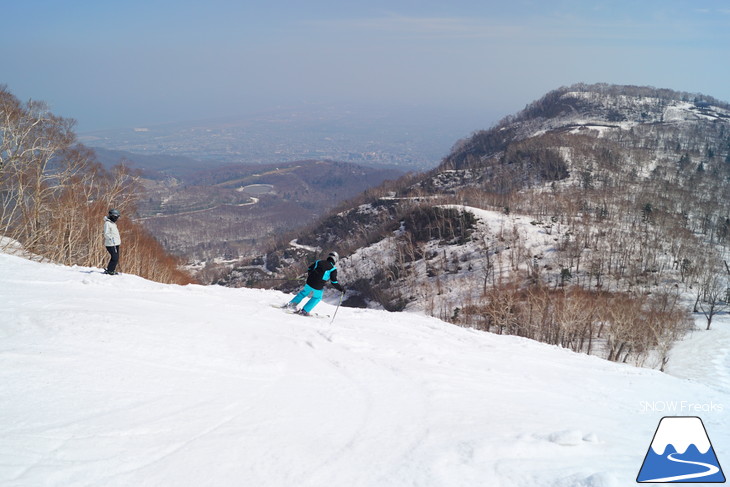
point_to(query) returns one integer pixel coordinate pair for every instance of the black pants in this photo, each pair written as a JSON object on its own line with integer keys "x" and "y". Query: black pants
{"x": 114, "y": 260}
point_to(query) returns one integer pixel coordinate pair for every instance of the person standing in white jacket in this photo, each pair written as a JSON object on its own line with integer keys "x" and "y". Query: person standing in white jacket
{"x": 112, "y": 240}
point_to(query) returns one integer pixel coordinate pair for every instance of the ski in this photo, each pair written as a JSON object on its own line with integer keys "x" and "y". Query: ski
{"x": 296, "y": 312}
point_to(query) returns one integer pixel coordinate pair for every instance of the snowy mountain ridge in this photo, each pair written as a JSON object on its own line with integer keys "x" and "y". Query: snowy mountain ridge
{"x": 648, "y": 108}
{"x": 598, "y": 107}
{"x": 118, "y": 381}
{"x": 631, "y": 113}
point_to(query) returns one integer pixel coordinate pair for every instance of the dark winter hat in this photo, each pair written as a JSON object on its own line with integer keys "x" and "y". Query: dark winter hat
{"x": 334, "y": 257}
{"x": 115, "y": 213}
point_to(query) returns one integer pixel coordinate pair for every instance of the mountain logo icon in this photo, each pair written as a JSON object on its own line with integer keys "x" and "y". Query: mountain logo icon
{"x": 681, "y": 452}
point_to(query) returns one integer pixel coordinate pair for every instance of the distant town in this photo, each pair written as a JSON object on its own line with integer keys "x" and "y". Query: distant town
{"x": 415, "y": 143}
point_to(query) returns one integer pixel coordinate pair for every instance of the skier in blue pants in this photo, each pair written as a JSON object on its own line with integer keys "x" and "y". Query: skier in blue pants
{"x": 320, "y": 272}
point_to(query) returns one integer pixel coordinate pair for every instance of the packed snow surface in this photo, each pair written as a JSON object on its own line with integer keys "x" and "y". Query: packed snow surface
{"x": 119, "y": 381}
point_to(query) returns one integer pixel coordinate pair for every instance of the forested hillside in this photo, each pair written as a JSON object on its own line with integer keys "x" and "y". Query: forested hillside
{"x": 585, "y": 220}
{"x": 54, "y": 195}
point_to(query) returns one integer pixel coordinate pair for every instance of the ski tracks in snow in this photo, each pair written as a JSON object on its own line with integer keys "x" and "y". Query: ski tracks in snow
{"x": 365, "y": 418}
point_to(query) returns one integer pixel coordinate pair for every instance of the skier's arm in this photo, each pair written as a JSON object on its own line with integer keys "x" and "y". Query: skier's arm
{"x": 335, "y": 284}
{"x": 108, "y": 236}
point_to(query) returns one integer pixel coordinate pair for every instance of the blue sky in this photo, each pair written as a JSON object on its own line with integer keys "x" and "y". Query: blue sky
{"x": 140, "y": 62}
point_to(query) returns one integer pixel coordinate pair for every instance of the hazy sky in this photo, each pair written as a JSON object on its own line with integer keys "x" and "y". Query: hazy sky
{"x": 122, "y": 63}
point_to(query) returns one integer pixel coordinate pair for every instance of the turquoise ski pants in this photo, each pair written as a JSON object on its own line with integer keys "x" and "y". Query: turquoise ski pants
{"x": 313, "y": 301}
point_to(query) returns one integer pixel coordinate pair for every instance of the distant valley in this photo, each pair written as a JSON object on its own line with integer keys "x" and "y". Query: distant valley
{"x": 228, "y": 212}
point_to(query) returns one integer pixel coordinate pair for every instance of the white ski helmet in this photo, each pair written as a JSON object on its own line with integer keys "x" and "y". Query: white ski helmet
{"x": 334, "y": 257}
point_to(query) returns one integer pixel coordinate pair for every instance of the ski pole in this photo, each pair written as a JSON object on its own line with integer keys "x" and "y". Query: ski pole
{"x": 338, "y": 307}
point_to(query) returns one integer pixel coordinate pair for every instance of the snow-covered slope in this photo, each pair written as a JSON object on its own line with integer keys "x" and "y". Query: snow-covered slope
{"x": 118, "y": 381}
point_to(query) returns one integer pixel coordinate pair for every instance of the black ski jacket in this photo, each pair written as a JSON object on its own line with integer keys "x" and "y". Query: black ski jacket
{"x": 322, "y": 271}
